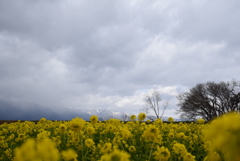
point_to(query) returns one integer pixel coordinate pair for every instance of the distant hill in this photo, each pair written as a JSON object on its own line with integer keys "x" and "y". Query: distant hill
{"x": 11, "y": 111}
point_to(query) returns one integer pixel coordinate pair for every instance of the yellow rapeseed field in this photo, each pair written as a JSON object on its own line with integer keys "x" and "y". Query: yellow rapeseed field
{"x": 114, "y": 140}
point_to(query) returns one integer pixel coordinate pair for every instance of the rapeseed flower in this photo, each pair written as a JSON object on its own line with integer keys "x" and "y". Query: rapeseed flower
{"x": 200, "y": 121}
{"x": 42, "y": 120}
{"x": 188, "y": 157}
{"x": 170, "y": 119}
{"x": 8, "y": 153}
{"x": 171, "y": 135}
{"x": 26, "y": 151}
{"x": 148, "y": 121}
{"x": 75, "y": 139}
{"x": 132, "y": 149}
{"x": 47, "y": 151}
{"x": 69, "y": 155}
{"x": 150, "y": 133}
{"x": 44, "y": 134}
{"x": 125, "y": 133}
{"x": 212, "y": 156}
{"x": 90, "y": 130}
{"x": 158, "y": 122}
{"x": 89, "y": 142}
{"x": 116, "y": 155}
{"x": 223, "y": 134}
{"x": 161, "y": 154}
{"x": 76, "y": 124}
{"x": 179, "y": 149}
{"x": 62, "y": 128}
{"x": 70, "y": 133}
{"x": 94, "y": 119}
{"x": 181, "y": 135}
{"x": 141, "y": 116}
{"x": 132, "y": 117}
{"x": 106, "y": 148}
{"x": 21, "y": 136}
{"x": 158, "y": 139}
{"x": 141, "y": 139}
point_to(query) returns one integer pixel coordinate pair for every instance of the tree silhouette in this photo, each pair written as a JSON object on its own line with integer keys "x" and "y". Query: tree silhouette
{"x": 209, "y": 100}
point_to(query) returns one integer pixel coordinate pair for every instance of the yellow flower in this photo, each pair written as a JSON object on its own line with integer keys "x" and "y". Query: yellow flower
{"x": 76, "y": 124}
{"x": 171, "y": 135}
{"x": 90, "y": 130}
{"x": 42, "y": 120}
{"x": 188, "y": 157}
{"x": 148, "y": 121}
{"x": 43, "y": 135}
{"x": 106, "y": 148}
{"x": 69, "y": 155}
{"x": 151, "y": 132}
{"x": 195, "y": 137}
{"x": 26, "y": 151}
{"x": 132, "y": 117}
{"x": 70, "y": 133}
{"x": 116, "y": 155}
{"x": 75, "y": 139}
{"x": 200, "y": 121}
{"x": 125, "y": 133}
{"x": 180, "y": 149}
{"x": 94, "y": 119}
{"x": 212, "y": 156}
{"x": 141, "y": 116}
{"x": 62, "y": 128}
{"x": 57, "y": 140}
{"x": 21, "y": 136}
{"x": 162, "y": 154}
{"x": 8, "y": 153}
{"x": 158, "y": 139}
{"x": 223, "y": 135}
{"x": 181, "y": 135}
{"x": 132, "y": 149}
{"x": 89, "y": 142}
{"x": 158, "y": 122}
{"x": 170, "y": 119}
{"x": 47, "y": 150}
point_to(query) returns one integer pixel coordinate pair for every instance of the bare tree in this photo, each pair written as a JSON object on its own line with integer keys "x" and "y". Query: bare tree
{"x": 210, "y": 100}
{"x": 152, "y": 101}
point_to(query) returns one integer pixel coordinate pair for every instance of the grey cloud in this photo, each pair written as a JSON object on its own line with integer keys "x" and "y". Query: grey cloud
{"x": 58, "y": 53}
{"x": 201, "y": 21}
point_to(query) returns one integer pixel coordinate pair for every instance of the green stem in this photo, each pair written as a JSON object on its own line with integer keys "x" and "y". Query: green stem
{"x": 86, "y": 153}
{"x": 150, "y": 152}
{"x": 82, "y": 149}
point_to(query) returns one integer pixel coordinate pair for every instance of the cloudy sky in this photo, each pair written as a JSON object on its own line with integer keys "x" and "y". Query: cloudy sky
{"x": 108, "y": 54}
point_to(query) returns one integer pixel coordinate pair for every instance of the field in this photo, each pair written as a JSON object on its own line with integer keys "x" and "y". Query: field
{"x": 114, "y": 140}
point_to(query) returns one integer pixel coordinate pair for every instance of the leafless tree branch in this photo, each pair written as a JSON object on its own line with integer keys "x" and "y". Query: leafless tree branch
{"x": 152, "y": 101}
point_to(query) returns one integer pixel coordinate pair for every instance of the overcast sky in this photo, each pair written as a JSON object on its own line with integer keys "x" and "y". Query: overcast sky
{"x": 108, "y": 54}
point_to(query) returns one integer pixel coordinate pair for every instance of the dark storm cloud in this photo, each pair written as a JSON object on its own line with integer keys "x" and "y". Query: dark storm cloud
{"x": 105, "y": 53}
